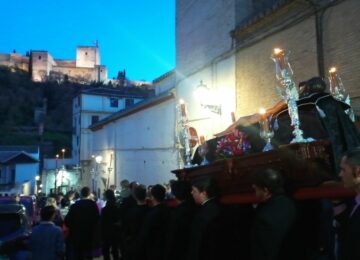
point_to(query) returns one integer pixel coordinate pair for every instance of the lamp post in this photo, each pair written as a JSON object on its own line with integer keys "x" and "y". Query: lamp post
{"x": 56, "y": 172}
{"x": 207, "y": 98}
{"x": 98, "y": 160}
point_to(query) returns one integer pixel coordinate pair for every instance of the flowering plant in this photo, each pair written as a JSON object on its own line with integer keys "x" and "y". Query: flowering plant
{"x": 235, "y": 143}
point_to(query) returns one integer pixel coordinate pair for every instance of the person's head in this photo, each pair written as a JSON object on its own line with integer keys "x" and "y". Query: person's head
{"x": 109, "y": 195}
{"x": 113, "y": 187}
{"x": 16, "y": 198}
{"x": 267, "y": 183}
{"x": 70, "y": 195}
{"x": 157, "y": 193}
{"x": 313, "y": 85}
{"x": 181, "y": 190}
{"x": 85, "y": 192}
{"x": 204, "y": 189}
{"x": 47, "y": 213}
{"x": 50, "y": 201}
{"x": 125, "y": 184}
{"x": 140, "y": 193}
{"x": 350, "y": 169}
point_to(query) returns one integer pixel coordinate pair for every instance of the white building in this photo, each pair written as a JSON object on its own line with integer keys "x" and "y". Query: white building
{"x": 138, "y": 144}
{"x": 19, "y": 166}
{"x": 92, "y": 106}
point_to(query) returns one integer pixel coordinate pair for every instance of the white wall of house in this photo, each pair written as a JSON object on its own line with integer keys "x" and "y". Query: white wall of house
{"x": 142, "y": 145}
{"x": 27, "y": 172}
{"x": 84, "y": 109}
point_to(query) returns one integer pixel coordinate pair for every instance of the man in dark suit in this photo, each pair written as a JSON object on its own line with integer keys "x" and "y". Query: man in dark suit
{"x": 180, "y": 221}
{"x": 132, "y": 222}
{"x": 153, "y": 231}
{"x": 349, "y": 238}
{"x": 203, "y": 240}
{"x": 82, "y": 221}
{"x": 274, "y": 218}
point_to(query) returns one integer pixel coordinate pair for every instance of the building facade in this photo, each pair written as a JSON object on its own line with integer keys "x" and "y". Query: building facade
{"x": 228, "y": 44}
{"x": 19, "y": 167}
{"x": 90, "y": 107}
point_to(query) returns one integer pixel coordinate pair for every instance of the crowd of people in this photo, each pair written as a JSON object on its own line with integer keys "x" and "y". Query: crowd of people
{"x": 142, "y": 223}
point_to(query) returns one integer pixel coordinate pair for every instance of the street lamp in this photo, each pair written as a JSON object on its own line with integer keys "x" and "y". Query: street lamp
{"x": 207, "y": 98}
{"x": 56, "y": 173}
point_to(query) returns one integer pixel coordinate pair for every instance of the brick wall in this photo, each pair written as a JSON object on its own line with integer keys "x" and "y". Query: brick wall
{"x": 342, "y": 44}
{"x": 255, "y": 71}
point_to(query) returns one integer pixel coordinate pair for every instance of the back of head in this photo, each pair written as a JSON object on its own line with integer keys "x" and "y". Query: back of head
{"x": 140, "y": 193}
{"x": 208, "y": 185}
{"x": 181, "y": 190}
{"x": 85, "y": 192}
{"x": 269, "y": 179}
{"x": 313, "y": 85}
{"x": 47, "y": 213}
{"x": 50, "y": 201}
{"x": 125, "y": 184}
{"x": 109, "y": 195}
{"x": 158, "y": 192}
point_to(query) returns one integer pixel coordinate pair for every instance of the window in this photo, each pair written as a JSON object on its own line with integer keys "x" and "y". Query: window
{"x": 114, "y": 102}
{"x": 85, "y": 53}
{"x": 129, "y": 102}
{"x": 94, "y": 119}
{"x": 39, "y": 57}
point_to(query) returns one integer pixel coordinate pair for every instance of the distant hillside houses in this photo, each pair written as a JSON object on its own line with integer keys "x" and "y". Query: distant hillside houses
{"x": 42, "y": 66}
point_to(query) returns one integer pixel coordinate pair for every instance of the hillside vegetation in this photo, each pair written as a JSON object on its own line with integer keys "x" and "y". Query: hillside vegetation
{"x": 20, "y": 98}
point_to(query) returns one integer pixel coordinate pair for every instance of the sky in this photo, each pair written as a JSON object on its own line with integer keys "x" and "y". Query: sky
{"x": 135, "y": 35}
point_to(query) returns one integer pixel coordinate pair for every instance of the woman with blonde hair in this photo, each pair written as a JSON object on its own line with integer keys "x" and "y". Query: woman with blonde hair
{"x": 58, "y": 219}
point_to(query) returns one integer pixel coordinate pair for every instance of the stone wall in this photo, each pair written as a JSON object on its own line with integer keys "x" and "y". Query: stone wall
{"x": 255, "y": 71}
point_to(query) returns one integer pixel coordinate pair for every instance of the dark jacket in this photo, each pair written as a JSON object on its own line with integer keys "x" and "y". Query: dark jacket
{"x": 178, "y": 232}
{"x": 152, "y": 234}
{"x": 203, "y": 239}
{"x": 82, "y": 221}
{"x": 350, "y": 238}
{"x": 273, "y": 221}
{"x": 109, "y": 216}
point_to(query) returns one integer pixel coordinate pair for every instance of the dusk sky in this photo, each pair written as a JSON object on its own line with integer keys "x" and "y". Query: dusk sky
{"x": 136, "y": 35}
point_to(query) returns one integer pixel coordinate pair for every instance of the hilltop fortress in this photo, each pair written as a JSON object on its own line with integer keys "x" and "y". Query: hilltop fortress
{"x": 42, "y": 66}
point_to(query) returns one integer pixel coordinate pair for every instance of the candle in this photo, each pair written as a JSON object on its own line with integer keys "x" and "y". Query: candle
{"x": 280, "y": 57}
{"x": 264, "y": 122}
{"x": 333, "y": 76}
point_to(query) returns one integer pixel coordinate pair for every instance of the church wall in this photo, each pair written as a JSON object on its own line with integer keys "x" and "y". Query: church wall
{"x": 202, "y": 32}
{"x": 255, "y": 71}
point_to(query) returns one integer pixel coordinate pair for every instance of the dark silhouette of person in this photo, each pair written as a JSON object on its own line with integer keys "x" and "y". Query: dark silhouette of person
{"x": 349, "y": 218}
{"x": 203, "y": 241}
{"x": 82, "y": 221}
{"x": 108, "y": 219}
{"x": 132, "y": 222}
{"x": 274, "y": 217}
{"x": 180, "y": 221}
{"x": 152, "y": 234}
